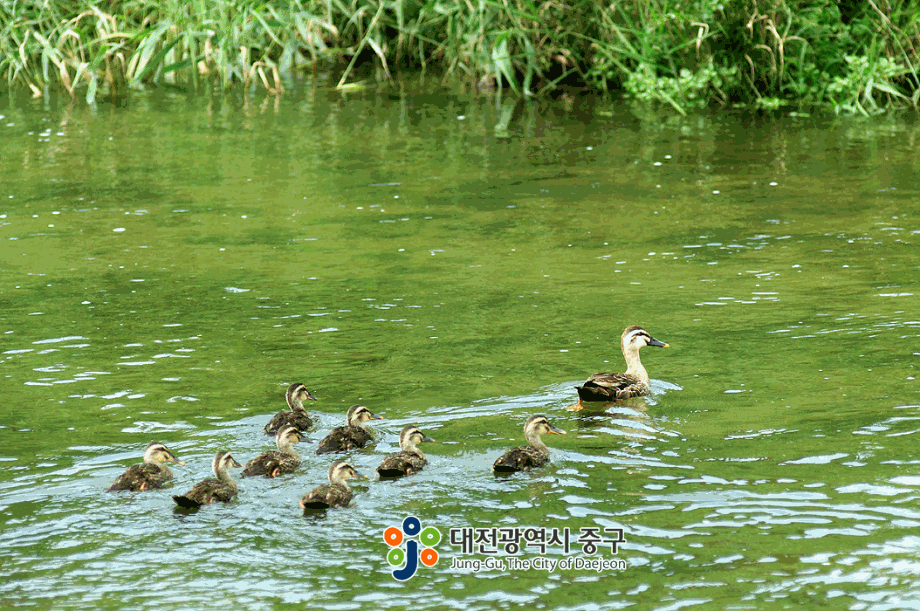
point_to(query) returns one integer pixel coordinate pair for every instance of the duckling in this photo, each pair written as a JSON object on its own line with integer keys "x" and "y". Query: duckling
{"x": 409, "y": 459}
{"x": 297, "y": 417}
{"x": 207, "y": 491}
{"x": 272, "y": 463}
{"x": 334, "y": 494}
{"x": 353, "y": 435}
{"x": 525, "y": 458}
{"x": 151, "y": 473}
{"x": 606, "y": 386}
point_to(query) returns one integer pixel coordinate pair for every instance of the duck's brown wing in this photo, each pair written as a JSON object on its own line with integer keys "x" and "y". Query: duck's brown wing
{"x": 199, "y": 494}
{"x": 343, "y": 439}
{"x": 223, "y": 493}
{"x": 401, "y": 463}
{"x": 206, "y": 492}
{"x": 298, "y": 419}
{"x": 268, "y": 464}
{"x": 142, "y": 476}
{"x": 183, "y": 500}
{"x": 327, "y": 495}
{"x": 281, "y": 464}
{"x": 608, "y": 386}
{"x": 523, "y": 458}
{"x": 333, "y": 442}
{"x": 276, "y": 423}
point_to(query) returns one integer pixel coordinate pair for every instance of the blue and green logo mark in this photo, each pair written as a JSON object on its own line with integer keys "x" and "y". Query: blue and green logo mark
{"x": 414, "y": 536}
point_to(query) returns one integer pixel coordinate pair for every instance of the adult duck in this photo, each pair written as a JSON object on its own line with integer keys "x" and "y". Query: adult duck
{"x": 607, "y": 386}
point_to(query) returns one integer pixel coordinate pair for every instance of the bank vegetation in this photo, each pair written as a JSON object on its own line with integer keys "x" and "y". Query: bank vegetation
{"x": 853, "y": 55}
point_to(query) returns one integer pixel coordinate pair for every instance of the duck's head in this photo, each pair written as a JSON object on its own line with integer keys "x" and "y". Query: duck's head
{"x": 222, "y": 462}
{"x": 341, "y": 471}
{"x": 539, "y": 425}
{"x": 411, "y": 436}
{"x": 359, "y": 414}
{"x": 635, "y": 337}
{"x": 156, "y": 452}
{"x": 297, "y": 393}
{"x": 287, "y": 435}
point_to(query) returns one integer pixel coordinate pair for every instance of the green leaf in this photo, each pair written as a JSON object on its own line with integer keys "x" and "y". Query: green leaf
{"x": 501, "y": 60}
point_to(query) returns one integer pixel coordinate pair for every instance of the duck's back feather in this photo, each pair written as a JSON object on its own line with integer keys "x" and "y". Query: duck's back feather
{"x": 607, "y": 386}
{"x": 343, "y": 439}
{"x": 206, "y": 492}
{"x": 327, "y": 495}
{"x": 298, "y": 419}
{"x": 271, "y": 464}
{"x": 401, "y": 463}
{"x": 143, "y": 476}
{"x": 523, "y": 458}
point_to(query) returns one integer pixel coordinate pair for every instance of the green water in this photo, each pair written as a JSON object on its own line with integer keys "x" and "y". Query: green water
{"x": 169, "y": 264}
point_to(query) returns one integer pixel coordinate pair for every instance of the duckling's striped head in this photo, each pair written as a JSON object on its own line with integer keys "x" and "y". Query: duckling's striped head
{"x": 539, "y": 425}
{"x": 359, "y": 414}
{"x": 223, "y": 461}
{"x": 341, "y": 471}
{"x": 412, "y": 436}
{"x": 297, "y": 393}
{"x": 288, "y": 434}
{"x": 635, "y": 337}
{"x": 157, "y": 452}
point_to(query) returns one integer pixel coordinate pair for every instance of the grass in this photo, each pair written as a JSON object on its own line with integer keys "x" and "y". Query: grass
{"x": 854, "y": 56}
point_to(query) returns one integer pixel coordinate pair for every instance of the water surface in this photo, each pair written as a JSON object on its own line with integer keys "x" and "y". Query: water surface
{"x": 170, "y": 264}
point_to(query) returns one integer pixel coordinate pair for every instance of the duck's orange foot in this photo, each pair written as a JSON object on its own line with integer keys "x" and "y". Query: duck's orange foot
{"x": 575, "y": 408}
